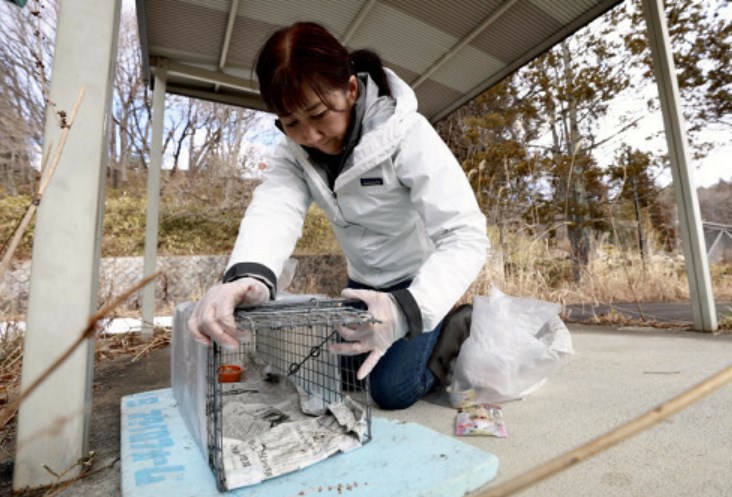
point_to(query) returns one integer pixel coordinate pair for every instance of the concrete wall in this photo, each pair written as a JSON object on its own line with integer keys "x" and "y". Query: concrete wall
{"x": 184, "y": 278}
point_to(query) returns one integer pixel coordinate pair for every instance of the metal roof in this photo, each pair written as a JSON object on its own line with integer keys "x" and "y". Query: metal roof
{"x": 449, "y": 51}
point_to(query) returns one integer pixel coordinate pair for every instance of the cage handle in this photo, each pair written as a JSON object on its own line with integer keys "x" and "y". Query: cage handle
{"x": 314, "y": 352}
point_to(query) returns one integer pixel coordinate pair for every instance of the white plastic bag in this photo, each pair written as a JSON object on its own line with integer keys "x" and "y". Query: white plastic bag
{"x": 515, "y": 344}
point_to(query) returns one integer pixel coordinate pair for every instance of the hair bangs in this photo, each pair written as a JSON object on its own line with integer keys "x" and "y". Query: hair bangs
{"x": 286, "y": 93}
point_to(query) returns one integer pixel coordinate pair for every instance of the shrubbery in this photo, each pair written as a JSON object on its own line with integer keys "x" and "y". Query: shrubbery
{"x": 196, "y": 217}
{"x": 12, "y": 209}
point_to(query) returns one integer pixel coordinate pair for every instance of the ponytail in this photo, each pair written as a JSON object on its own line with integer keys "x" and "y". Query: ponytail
{"x": 370, "y": 62}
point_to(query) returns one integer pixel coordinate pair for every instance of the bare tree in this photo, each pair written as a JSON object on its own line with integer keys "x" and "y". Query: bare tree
{"x": 131, "y": 114}
{"x": 26, "y": 51}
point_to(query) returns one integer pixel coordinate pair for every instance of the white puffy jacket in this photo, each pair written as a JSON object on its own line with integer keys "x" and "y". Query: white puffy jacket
{"x": 402, "y": 209}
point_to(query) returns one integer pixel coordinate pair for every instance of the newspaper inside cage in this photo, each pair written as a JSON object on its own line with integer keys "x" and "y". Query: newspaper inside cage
{"x": 295, "y": 403}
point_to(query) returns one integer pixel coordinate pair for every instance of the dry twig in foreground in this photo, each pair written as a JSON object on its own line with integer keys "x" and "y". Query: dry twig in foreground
{"x": 611, "y": 438}
{"x": 9, "y": 411}
{"x": 45, "y": 180}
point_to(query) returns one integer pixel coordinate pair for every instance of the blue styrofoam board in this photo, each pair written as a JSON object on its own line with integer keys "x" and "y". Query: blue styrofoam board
{"x": 160, "y": 458}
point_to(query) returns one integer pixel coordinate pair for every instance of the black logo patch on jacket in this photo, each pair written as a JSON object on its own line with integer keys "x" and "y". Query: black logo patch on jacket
{"x": 372, "y": 181}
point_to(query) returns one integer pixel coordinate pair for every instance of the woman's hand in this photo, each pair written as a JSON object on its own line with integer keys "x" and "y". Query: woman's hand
{"x": 377, "y": 337}
{"x": 213, "y": 316}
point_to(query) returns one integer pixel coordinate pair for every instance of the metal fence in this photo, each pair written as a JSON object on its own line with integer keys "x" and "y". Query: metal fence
{"x": 718, "y": 238}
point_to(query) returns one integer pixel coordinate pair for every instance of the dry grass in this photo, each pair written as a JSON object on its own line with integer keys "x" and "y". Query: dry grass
{"x": 726, "y": 322}
{"x": 11, "y": 363}
{"x": 112, "y": 346}
{"x": 529, "y": 267}
{"x": 107, "y": 346}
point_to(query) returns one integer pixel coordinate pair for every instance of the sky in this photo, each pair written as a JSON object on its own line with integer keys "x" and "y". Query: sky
{"x": 648, "y": 136}
{"x": 716, "y": 166}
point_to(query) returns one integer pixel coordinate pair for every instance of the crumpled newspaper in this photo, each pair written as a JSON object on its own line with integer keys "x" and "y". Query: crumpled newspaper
{"x": 272, "y": 427}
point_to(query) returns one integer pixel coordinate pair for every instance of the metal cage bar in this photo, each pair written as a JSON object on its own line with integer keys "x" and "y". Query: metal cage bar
{"x": 292, "y": 339}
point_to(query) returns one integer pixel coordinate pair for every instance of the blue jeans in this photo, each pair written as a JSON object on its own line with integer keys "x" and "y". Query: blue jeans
{"x": 401, "y": 377}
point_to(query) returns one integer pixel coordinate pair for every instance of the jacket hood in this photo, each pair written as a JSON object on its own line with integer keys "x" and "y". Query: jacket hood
{"x": 402, "y": 93}
{"x": 385, "y": 122}
{"x": 376, "y": 106}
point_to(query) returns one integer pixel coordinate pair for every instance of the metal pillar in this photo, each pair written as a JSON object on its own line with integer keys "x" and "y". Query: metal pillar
{"x": 692, "y": 234}
{"x": 153, "y": 198}
{"x": 53, "y": 423}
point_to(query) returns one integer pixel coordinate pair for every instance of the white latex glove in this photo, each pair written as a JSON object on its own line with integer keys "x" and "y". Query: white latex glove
{"x": 213, "y": 316}
{"x": 372, "y": 337}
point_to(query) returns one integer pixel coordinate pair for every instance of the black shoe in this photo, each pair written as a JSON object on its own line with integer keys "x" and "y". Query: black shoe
{"x": 455, "y": 330}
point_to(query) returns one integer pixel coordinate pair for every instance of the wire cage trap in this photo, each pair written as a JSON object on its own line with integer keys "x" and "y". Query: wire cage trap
{"x": 282, "y": 401}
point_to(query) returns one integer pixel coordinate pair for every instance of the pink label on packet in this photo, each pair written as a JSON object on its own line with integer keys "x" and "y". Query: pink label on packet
{"x": 480, "y": 419}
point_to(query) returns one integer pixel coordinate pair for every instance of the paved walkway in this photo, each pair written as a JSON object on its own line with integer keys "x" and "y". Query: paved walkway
{"x": 663, "y": 312}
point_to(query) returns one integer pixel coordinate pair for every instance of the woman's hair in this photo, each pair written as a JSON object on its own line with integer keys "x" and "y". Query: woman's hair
{"x": 305, "y": 55}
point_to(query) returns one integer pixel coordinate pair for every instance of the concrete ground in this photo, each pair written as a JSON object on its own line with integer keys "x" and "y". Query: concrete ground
{"x": 616, "y": 374}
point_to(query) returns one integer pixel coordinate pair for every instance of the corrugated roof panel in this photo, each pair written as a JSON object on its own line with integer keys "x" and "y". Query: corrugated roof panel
{"x": 220, "y": 5}
{"x": 565, "y": 11}
{"x": 336, "y": 15}
{"x": 246, "y": 40}
{"x": 521, "y": 27}
{"x": 410, "y": 35}
{"x": 401, "y": 39}
{"x": 170, "y": 24}
{"x": 467, "y": 69}
{"x": 404, "y": 73}
{"x": 430, "y": 95}
{"x": 454, "y": 18}
{"x": 433, "y": 96}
